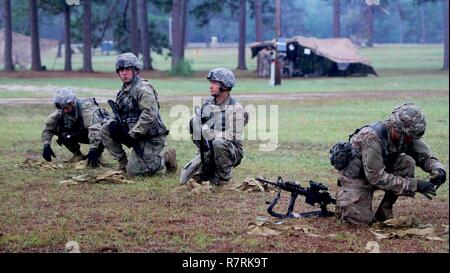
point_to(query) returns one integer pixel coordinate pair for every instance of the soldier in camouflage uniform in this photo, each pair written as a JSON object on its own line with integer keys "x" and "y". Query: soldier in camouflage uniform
{"x": 75, "y": 121}
{"x": 386, "y": 154}
{"x": 142, "y": 128}
{"x": 217, "y": 129}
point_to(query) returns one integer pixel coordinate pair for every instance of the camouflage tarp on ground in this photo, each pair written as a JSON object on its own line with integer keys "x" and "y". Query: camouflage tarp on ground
{"x": 405, "y": 227}
{"x": 109, "y": 176}
{"x": 40, "y": 164}
{"x": 252, "y": 185}
{"x": 194, "y": 187}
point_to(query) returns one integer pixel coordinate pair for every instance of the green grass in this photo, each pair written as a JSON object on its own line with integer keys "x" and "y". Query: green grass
{"x": 383, "y": 57}
{"x": 401, "y": 68}
{"x": 38, "y": 215}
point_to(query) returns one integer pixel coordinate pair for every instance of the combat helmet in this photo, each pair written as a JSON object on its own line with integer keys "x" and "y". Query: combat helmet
{"x": 63, "y": 97}
{"x": 127, "y": 60}
{"x": 222, "y": 75}
{"x": 409, "y": 119}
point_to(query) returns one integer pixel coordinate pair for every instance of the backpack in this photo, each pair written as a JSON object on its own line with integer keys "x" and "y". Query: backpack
{"x": 343, "y": 152}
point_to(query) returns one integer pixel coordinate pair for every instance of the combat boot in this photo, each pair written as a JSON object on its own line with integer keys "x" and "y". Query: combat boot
{"x": 170, "y": 160}
{"x": 123, "y": 164}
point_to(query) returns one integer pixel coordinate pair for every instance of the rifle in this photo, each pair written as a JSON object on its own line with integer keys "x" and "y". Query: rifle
{"x": 206, "y": 146}
{"x": 136, "y": 146}
{"x": 317, "y": 193}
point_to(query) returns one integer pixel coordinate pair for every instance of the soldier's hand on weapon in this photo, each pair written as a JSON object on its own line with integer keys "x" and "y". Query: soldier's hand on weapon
{"x": 47, "y": 153}
{"x": 438, "y": 178}
{"x": 115, "y": 128}
{"x": 426, "y": 188}
{"x": 93, "y": 158}
{"x": 128, "y": 140}
{"x": 120, "y": 134}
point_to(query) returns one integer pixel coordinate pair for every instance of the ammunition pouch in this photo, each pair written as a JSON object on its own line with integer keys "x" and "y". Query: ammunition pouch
{"x": 341, "y": 154}
{"x": 354, "y": 168}
{"x": 157, "y": 129}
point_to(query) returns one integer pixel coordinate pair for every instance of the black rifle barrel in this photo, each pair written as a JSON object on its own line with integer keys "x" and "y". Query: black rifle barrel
{"x": 289, "y": 186}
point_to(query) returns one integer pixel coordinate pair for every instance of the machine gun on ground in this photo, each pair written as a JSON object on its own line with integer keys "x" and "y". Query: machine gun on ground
{"x": 317, "y": 193}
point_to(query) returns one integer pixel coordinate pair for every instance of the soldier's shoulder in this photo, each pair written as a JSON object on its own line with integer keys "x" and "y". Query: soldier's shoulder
{"x": 56, "y": 114}
{"x": 145, "y": 86}
{"x": 234, "y": 101}
{"x": 88, "y": 103}
{"x": 366, "y": 134}
{"x": 209, "y": 100}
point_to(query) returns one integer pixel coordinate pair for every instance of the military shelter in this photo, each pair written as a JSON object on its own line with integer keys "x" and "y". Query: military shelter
{"x": 313, "y": 57}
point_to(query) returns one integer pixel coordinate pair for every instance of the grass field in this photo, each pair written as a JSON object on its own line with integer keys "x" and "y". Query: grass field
{"x": 38, "y": 215}
{"x": 412, "y": 56}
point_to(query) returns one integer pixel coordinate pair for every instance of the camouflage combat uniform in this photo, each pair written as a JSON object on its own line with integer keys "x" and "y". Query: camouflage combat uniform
{"x": 82, "y": 125}
{"x": 139, "y": 108}
{"x": 225, "y": 132}
{"x": 380, "y": 164}
{"x": 264, "y": 62}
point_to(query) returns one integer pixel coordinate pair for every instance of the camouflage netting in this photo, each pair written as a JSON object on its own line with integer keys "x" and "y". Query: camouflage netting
{"x": 22, "y": 49}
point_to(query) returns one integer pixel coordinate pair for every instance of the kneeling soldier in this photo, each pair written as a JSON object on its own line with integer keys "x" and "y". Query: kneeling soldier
{"x": 217, "y": 131}
{"x": 138, "y": 124}
{"x": 75, "y": 121}
{"x": 383, "y": 156}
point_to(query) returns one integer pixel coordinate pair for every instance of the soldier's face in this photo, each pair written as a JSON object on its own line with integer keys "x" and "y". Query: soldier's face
{"x": 214, "y": 88}
{"x": 407, "y": 139}
{"x": 68, "y": 108}
{"x": 126, "y": 74}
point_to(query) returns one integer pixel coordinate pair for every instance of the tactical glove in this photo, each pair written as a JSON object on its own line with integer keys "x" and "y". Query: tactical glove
{"x": 116, "y": 129}
{"x": 93, "y": 158}
{"x": 120, "y": 134}
{"x": 438, "y": 178}
{"x": 128, "y": 140}
{"x": 47, "y": 153}
{"x": 426, "y": 188}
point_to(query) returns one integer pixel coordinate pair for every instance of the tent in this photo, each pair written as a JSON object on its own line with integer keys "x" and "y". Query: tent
{"x": 313, "y": 57}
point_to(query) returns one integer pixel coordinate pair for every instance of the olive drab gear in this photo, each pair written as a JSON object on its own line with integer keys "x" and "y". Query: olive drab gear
{"x": 130, "y": 111}
{"x": 84, "y": 121}
{"x": 382, "y": 164}
{"x": 410, "y": 120}
{"x": 341, "y": 154}
{"x": 222, "y": 75}
{"x": 126, "y": 60}
{"x": 170, "y": 160}
{"x": 138, "y": 108}
{"x": 221, "y": 127}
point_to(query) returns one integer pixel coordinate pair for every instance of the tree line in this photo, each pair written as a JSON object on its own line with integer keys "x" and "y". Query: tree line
{"x": 140, "y": 26}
